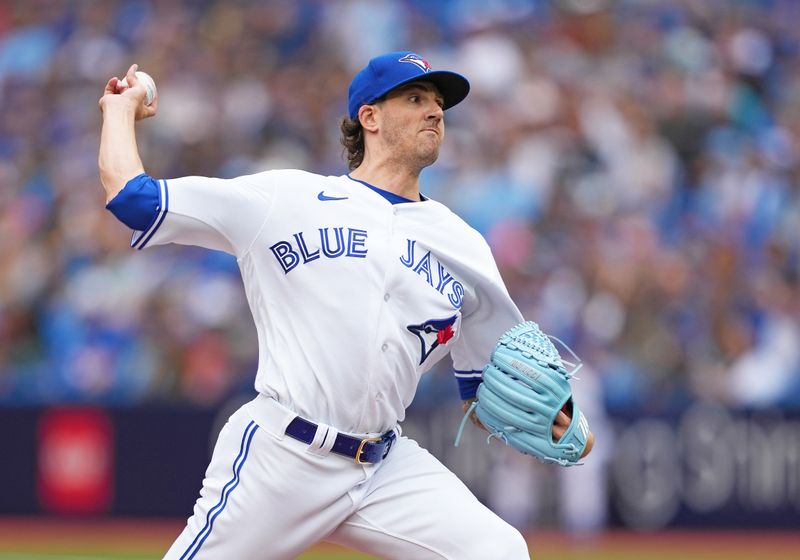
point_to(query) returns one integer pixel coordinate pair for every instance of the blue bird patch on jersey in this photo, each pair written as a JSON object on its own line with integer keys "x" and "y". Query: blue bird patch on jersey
{"x": 432, "y": 333}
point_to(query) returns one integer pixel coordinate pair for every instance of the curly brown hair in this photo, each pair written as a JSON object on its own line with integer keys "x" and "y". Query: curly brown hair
{"x": 353, "y": 141}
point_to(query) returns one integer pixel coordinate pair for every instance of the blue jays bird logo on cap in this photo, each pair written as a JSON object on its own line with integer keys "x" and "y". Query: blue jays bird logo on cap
{"x": 433, "y": 333}
{"x": 388, "y": 71}
{"x": 417, "y": 60}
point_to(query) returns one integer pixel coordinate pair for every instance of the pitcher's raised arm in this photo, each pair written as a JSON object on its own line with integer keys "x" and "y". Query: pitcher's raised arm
{"x": 122, "y": 104}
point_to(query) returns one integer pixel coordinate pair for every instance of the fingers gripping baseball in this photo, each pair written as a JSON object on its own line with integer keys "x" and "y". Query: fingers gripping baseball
{"x": 136, "y": 90}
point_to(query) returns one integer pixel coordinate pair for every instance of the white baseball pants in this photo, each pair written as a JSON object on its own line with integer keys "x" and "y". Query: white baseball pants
{"x": 268, "y": 496}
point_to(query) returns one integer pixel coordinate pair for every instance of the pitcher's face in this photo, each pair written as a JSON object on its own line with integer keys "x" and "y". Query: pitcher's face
{"x": 412, "y": 123}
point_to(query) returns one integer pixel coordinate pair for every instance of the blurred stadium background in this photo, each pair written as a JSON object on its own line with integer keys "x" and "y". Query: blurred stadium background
{"x": 633, "y": 163}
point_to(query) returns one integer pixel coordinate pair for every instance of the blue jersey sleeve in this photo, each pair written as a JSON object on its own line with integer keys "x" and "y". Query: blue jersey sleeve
{"x": 220, "y": 214}
{"x": 137, "y": 205}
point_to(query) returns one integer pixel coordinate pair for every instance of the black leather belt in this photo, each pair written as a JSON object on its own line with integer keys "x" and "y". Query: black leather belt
{"x": 367, "y": 450}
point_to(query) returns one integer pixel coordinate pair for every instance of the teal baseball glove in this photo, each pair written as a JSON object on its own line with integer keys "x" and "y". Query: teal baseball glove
{"x": 525, "y": 385}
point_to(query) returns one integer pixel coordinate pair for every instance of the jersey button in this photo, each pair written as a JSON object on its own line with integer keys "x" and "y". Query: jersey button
{"x": 379, "y": 397}
{"x": 386, "y": 297}
{"x": 384, "y": 347}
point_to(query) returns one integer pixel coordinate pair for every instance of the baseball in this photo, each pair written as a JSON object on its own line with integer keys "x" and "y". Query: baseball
{"x": 148, "y": 83}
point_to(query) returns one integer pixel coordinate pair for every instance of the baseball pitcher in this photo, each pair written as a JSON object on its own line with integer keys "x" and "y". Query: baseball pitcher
{"x": 358, "y": 284}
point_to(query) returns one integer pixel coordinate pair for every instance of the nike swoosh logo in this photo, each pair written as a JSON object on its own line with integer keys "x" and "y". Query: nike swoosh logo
{"x": 322, "y": 196}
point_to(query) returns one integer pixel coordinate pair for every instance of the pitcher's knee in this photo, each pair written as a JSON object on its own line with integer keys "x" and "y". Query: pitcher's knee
{"x": 502, "y": 542}
{"x": 514, "y": 547}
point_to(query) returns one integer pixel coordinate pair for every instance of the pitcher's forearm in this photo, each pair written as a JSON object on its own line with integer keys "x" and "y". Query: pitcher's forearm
{"x": 119, "y": 159}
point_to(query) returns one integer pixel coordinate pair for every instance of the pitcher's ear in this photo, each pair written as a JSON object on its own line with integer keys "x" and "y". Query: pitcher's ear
{"x": 368, "y": 117}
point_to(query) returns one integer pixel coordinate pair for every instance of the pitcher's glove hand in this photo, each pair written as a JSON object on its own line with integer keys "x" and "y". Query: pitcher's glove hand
{"x": 525, "y": 399}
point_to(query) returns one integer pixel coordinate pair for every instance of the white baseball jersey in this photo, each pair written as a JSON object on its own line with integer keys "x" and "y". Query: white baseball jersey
{"x": 355, "y": 293}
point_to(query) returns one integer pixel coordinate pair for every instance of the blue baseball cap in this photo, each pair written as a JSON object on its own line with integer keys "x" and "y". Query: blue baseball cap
{"x": 388, "y": 71}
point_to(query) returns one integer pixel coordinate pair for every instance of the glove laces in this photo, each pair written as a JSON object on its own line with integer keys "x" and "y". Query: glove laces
{"x": 470, "y": 410}
{"x": 577, "y": 365}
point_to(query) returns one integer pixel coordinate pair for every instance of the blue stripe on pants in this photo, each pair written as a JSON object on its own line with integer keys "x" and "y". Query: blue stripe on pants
{"x": 214, "y": 512}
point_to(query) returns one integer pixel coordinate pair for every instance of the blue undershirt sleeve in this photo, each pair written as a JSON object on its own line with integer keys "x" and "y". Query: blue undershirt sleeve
{"x": 137, "y": 204}
{"x": 468, "y": 386}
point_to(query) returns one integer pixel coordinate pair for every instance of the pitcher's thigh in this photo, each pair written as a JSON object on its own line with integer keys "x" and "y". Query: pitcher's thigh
{"x": 416, "y": 508}
{"x": 263, "y": 498}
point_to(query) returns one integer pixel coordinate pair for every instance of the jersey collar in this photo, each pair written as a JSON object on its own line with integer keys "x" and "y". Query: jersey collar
{"x": 390, "y": 196}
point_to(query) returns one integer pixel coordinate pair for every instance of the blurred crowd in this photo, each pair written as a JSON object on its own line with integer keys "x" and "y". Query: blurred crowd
{"x": 633, "y": 163}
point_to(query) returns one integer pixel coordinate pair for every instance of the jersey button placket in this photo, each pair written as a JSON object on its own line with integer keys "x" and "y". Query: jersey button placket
{"x": 386, "y": 296}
